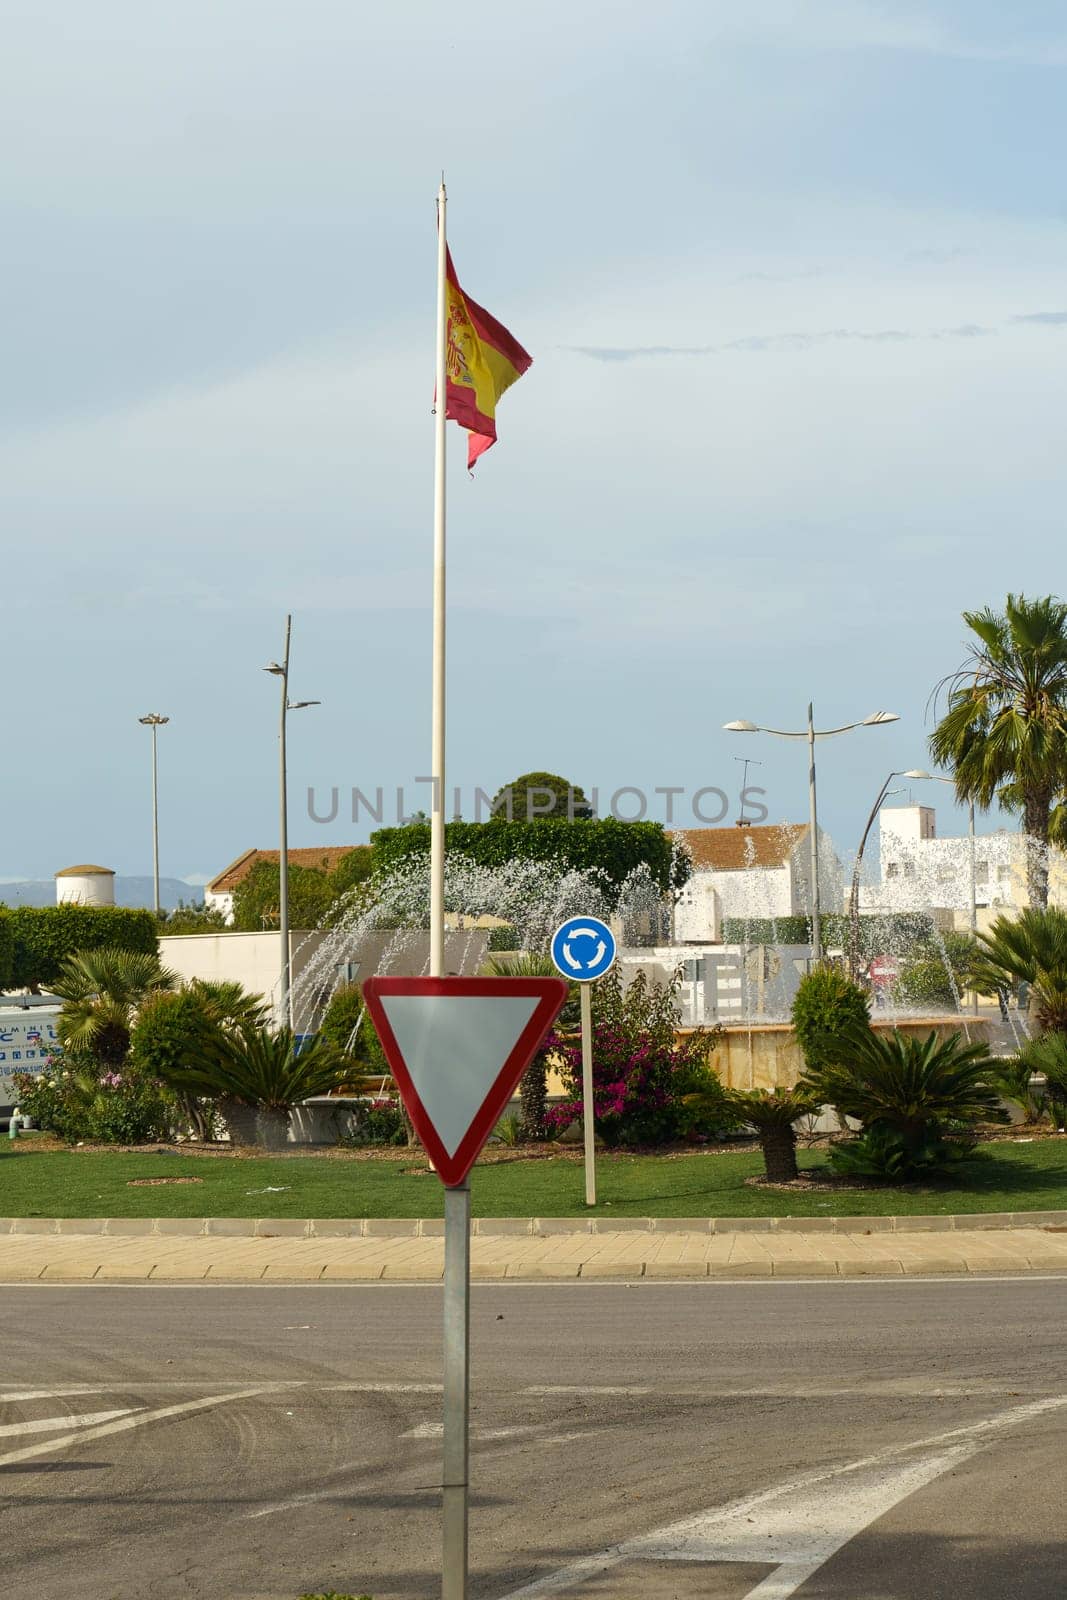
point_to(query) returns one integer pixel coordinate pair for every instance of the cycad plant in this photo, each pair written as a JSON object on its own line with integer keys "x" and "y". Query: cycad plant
{"x": 1031, "y": 948}
{"x": 257, "y": 1075}
{"x": 911, "y": 1088}
{"x": 1048, "y": 1055}
{"x": 772, "y": 1113}
{"x": 101, "y": 990}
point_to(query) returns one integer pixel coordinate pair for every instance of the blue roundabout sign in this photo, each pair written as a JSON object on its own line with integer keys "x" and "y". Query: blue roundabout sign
{"x": 583, "y": 948}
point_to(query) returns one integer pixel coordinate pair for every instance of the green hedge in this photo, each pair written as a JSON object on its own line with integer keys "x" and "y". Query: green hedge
{"x": 7, "y": 950}
{"x": 895, "y": 930}
{"x": 616, "y": 848}
{"x": 45, "y": 935}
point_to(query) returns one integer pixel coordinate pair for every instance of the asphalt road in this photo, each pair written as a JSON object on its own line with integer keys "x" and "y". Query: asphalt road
{"x": 902, "y": 1440}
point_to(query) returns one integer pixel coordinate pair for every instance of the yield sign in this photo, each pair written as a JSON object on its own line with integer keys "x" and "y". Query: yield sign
{"x": 457, "y": 1048}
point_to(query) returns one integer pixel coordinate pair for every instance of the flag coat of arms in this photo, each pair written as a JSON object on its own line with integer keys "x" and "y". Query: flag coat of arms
{"x": 482, "y": 360}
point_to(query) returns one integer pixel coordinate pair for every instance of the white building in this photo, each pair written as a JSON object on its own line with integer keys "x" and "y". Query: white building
{"x": 85, "y": 886}
{"x": 753, "y": 873}
{"x": 920, "y": 872}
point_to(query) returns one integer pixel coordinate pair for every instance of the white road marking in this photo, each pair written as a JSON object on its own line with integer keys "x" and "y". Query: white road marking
{"x": 801, "y": 1523}
{"x": 139, "y": 1386}
{"x": 11, "y": 1430}
{"x": 123, "y": 1424}
{"x": 534, "y": 1431}
{"x": 585, "y": 1388}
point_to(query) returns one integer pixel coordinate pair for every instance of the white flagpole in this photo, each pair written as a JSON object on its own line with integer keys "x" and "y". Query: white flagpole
{"x": 437, "y": 762}
{"x": 455, "y": 1455}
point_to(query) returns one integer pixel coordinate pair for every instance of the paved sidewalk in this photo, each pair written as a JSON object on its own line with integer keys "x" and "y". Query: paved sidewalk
{"x": 282, "y": 1251}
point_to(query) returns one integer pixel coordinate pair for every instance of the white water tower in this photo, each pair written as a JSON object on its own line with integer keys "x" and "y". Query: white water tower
{"x": 85, "y": 886}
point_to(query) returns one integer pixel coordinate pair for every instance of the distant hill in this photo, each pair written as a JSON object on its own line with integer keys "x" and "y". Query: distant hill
{"x": 128, "y": 892}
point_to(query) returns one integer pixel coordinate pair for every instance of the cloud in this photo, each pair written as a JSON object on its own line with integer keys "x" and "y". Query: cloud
{"x": 1046, "y": 319}
{"x": 759, "y": 343}
{"x": 858, "y": 25}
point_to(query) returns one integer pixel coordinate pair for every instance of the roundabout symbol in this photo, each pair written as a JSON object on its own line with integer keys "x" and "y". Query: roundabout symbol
{"x": 583, "y": 949}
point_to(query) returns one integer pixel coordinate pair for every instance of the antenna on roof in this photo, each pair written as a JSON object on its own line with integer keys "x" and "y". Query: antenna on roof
{"x": 747, "y": 761}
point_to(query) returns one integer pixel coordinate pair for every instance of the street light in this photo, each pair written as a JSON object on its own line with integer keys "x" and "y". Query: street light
{"x": 811, "y": 733}
{"x": 854, "y": 896}
{"x": 154, "y": 721}
{"x": 285, "y": 998}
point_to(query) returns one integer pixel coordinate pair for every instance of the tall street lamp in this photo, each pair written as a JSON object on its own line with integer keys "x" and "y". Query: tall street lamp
{"x": 154, "y": 721}
{"x": 936, "y": 777}
{"x": 811, "y": 733}
{"x": 854, "y": 896}
{"x": 285, "y": 997}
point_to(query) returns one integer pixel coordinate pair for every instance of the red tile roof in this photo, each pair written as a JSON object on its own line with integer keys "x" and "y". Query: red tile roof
{"x": 735, "y": 849}
{"x": 324, "y": 858}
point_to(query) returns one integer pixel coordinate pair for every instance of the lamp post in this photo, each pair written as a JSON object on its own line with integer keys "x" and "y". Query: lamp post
{"x": 972, "y": 884}
{"x": 285, "y": 997}
{"x": 854, "y": 895}
{"x": 811, "y": 733}
{"x": 154, "y": 721}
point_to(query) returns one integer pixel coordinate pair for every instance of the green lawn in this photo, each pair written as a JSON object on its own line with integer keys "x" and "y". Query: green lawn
{"x": 50, "y": 1182}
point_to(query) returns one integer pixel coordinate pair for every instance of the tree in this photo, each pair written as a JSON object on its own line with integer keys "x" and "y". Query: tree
{"x": 101, "y": 990}
{"x": 542, "y": 794}
{"x": 1006, "y": 723}
{"x": 1030, "y": 948}
{"x": 533, "y": 1086}
{"x": 257, "y": 898}
{"x": 352, "y": 869}
{"x": 191, "y": 919}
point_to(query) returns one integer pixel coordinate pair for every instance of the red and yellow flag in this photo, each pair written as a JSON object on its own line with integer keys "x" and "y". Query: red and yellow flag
{"x": 482, "y": 360}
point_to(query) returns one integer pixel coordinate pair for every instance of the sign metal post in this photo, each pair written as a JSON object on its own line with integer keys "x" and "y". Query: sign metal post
{"x": 457, "y": 1048}
{"x": 583, "y": 949}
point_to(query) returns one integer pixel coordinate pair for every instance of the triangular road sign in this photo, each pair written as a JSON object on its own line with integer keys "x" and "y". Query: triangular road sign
{"x": 457, "y": 1048}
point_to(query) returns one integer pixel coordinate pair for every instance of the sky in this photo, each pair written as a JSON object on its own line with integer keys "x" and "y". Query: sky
{"x": 793, "y": 277}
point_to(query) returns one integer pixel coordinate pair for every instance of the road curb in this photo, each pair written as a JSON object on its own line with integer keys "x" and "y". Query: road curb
{"x": 514, "y": 1227}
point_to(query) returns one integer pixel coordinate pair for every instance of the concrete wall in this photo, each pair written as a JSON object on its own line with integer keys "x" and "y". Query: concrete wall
{"x": 770, "y": 1057}
{"x": 254, "y": 961}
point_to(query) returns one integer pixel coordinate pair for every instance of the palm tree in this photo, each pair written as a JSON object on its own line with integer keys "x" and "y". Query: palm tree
{"x": 911, "y": 1086}
{"x": 101, "y": 990}
{"x": 1006, "y": 722}
{"x": 772, "y": 1112}
{"x": 1031, "y": 948}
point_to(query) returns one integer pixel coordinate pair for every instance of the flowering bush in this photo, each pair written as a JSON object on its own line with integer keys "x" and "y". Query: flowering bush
{"x": 643, "y": 1072}
{"x": 377, "y": 1121}
{"x": 121, "y": 1105}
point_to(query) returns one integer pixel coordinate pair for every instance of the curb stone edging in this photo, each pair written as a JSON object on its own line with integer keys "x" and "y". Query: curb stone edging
{"x": 531, "y": 1227}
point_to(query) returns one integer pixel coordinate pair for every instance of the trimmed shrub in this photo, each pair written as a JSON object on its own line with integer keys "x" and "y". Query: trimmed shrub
{"x": 828, "y": 1007}
{"x": 344, "y": 1013}
{"x": 614, "y": 848}
{"x": 7, "y": 950}
{"x": 45, "y": 936}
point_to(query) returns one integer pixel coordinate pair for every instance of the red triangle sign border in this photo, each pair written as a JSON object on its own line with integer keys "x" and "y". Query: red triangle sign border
{"x": 550, "y": 994}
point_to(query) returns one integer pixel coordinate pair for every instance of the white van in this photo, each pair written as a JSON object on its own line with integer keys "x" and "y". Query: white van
{"x": 27, "y": 1039}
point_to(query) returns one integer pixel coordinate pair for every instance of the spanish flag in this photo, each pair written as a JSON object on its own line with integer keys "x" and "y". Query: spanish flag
{"x": 482, "y": 360}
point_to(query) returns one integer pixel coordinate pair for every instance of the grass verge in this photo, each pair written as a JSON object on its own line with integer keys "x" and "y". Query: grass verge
{"x": 48, "y": 1181}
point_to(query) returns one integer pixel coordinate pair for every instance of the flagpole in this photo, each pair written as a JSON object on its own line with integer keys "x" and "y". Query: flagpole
{"x": 437, "y": 761}
{"x": 455, "y": 1461}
